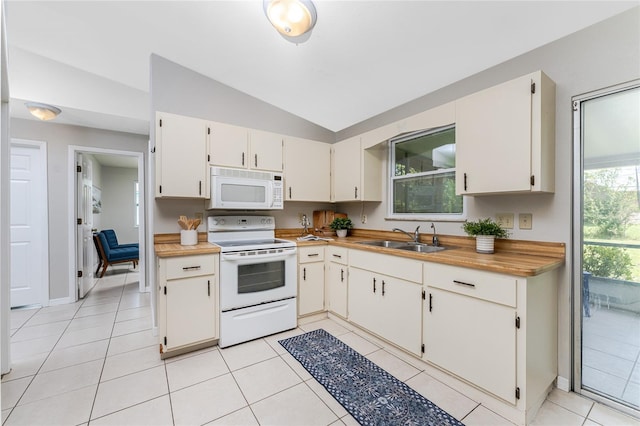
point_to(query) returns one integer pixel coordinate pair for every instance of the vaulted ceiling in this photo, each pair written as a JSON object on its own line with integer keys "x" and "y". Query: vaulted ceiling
{"x": 91, "y": 58}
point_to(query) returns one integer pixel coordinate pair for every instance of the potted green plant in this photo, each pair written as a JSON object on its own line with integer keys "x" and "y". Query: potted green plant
{"x": 341, "y": 225}
{"x": 485, "y": 231}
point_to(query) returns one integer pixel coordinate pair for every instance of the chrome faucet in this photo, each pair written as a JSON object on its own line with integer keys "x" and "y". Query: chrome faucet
{"x": 415, "y": 237}
{"x": 434, "y": 239}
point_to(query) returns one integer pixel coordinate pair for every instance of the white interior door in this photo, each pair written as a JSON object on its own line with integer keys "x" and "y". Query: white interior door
{"x": 84, "y": 235}
{"x": 29, "y": 272}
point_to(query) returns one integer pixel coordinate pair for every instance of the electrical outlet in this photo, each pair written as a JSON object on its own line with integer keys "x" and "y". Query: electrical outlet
{"x": 505, "y": 220}
{"x": 363, "y": 219}
{"x": 526, "y": 221}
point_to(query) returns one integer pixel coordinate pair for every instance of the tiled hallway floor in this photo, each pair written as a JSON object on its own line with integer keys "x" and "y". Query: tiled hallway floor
{"x": 97, "y": 362}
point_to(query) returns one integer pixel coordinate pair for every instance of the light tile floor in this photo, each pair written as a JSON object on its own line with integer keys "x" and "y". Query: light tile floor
{"x": 96, "y": 362}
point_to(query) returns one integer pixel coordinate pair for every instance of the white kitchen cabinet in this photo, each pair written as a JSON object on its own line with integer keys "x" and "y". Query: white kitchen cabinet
{"x": 310, "y": 280}
{"x": 385, "y": 297}
{"x": 337, "y": 279}
{"x": 181, "y": 145}
{"x": 188, "y": 306}
{"x": 357, "y": 172}
{"x": 505, "y": 138}
{"x": 495, "y": 331}
{"x": 239, "y": 147}
{"x": 307, "y": 170}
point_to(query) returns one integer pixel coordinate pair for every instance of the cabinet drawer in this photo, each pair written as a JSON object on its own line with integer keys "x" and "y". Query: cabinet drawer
{"x": 483, "y": 285}
{"x": 311, "y": 254}
{"x": 337, "y": 254}
{"x": 190, "y": 266}
{"x": 394, "y": 266}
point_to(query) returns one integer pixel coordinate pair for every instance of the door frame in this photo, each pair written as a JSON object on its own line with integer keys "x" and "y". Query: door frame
{"x": 577, "y": 239}
{"x": 43, "y": 293}
{"x": 71, "y": 208}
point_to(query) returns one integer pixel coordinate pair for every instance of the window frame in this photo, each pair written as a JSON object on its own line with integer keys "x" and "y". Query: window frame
{"x": 391, "y": 178}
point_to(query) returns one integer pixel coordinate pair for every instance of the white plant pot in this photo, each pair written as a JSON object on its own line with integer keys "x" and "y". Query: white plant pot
{"x": 341, "y": 232}
{"x": 485, "y": 243}
{"x": 188, "y": 237}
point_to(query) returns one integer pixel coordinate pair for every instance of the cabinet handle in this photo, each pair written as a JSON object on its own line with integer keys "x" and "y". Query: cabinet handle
{"x": 337, "y": 255}
{"x": 243, "y": 158}
{"x": 341, "y": 275}
{"x": 304, "y": 274}
{"x": 289, "y": 192}
{"x": 463, "y": 283}
{"x": 255, "y": 161}
{"x": 374, "y": 285}
{"x": 313, "y": 254}
{"x": 191, "y": 268}
{"x": 199, "y": 187}
{"x": 209, "y": 288}
{"x": 383, "y": 287}
{"x": 430, "y": 302}
{"x": 355, "y": 192}
{"x": 465, "y": 181}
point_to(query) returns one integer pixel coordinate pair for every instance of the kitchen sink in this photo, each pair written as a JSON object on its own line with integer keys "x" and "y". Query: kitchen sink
{"x": 384, "y": 243}
{"x": 403, "y": 245}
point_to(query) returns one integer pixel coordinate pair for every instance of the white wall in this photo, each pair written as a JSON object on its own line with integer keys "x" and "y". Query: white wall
{"x": 118, "y": 203}
{"x": 58, "y": 138}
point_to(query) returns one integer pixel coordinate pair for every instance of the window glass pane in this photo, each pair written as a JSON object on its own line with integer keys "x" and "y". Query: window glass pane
{"x": 426, "y": 153}
{"x": 427, "y": 194}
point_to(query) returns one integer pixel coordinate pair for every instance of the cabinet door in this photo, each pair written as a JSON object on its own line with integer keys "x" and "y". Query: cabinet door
{"x": 346, "y": 170}
{"x": 307, "y": 169}
{"x": 493, "y": 139}
{"x": 337, "y": 285}
{"x": 363, "y": 301}
{"x": 190, "y": 311}
{"x": 310, "y": 288}
{"x": 401, "y": 314}
{"x": 473, "y": 339}
{"x": 181, "y": 145}
{"x": 266, "y": 151}
{"x": 228, "y": 145}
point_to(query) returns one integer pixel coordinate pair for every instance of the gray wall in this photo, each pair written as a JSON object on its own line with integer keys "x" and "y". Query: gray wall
{"x": 118, "y": 202}
{"x": 58, "y": 138}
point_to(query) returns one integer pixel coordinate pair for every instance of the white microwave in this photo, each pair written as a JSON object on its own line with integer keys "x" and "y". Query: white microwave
{"x": 239, "y": 189}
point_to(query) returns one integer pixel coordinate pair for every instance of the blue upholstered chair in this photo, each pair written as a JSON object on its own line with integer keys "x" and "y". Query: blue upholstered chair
{"x": 112, "y": 240}
{"x": 120, "y": 254}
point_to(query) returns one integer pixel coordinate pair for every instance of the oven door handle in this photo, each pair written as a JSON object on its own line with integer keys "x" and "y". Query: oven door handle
{"x": 235, "y": 257}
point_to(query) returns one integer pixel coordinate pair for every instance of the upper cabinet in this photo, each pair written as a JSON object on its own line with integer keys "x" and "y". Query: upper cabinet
{"x": 239, "y": 147}
{"x": 181, "y": 144}
{"x": 307, "y": 167}
{"x": 357, "y": 172}
{"x": 505, "y": 138}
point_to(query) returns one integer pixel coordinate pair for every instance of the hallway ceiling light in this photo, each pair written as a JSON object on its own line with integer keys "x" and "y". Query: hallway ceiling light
{"x": 42, "y": 111}
{"x": 294, "y": 19}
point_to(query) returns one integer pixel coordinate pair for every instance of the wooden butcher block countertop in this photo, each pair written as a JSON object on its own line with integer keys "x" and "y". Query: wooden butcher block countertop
{"x": 513, "y": 257}
{"x": 168, "y": 245}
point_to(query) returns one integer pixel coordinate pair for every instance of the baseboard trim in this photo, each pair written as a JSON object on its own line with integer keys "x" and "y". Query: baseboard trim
{"x": 562, "y": 383}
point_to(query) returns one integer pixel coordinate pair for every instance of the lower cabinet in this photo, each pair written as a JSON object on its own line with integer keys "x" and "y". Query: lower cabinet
{"x": 496, "y": 331}
{"x": 383, "y": 302}
{"x": 187, "y": 303}
{"x": 337, "y": 280}
{"x": 310, "y": 280}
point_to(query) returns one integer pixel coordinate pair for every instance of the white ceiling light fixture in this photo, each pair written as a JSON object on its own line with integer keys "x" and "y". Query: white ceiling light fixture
{"x": 294, "y": 19}
{"x": 41, "y": 111}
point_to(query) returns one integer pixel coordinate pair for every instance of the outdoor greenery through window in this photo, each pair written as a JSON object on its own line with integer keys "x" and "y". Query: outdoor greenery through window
{"x": 423, "y": 178}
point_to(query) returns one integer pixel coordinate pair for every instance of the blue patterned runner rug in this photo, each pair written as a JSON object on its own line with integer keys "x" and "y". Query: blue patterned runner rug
{"x": 370, "y": 394}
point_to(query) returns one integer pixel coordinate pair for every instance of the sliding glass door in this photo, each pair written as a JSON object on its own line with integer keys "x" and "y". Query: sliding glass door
{"x": 607, "y": 244}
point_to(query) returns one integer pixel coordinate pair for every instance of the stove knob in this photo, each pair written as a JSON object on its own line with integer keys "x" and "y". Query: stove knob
{"x": 221, "y": 221}
{"x": 269, "y": 221}
{"x": 263, "y": 221}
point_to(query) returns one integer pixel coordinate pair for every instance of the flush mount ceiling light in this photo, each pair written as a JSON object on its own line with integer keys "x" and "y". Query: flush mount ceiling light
{"x": 42, "y": 111}
{"x": 294, "y": 19}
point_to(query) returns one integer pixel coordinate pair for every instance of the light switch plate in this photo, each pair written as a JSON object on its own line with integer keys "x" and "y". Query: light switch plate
{"x": 526, "y": 221}
{"x": 505, "y": 220}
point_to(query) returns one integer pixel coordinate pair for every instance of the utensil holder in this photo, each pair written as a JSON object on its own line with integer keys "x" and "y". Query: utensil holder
{"x": 188, "y": 237}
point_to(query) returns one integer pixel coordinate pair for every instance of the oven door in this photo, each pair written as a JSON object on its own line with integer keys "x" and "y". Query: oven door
{"x": 240, "y": 193}
{"x": 251, "y": 278}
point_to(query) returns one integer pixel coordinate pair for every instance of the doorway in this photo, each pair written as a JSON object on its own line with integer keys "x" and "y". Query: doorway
{"x": 607, "y": 246}
{"x": 120, "y": 163}
{"x": 29, "y": 224}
